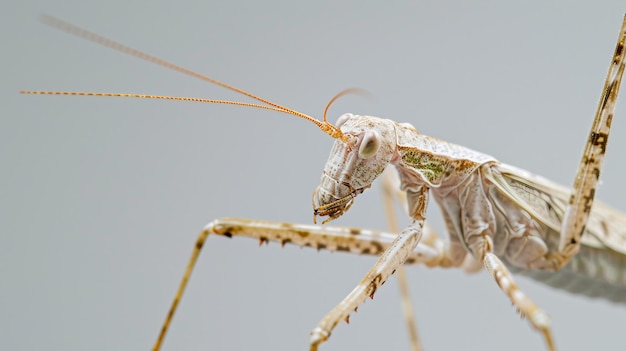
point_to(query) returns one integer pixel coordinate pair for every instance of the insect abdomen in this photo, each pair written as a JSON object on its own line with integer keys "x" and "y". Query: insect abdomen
{"x": 593, "y": 272}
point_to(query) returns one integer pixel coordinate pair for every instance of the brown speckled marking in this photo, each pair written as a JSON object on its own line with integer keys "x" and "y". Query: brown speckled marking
{"x": 600, "y": 139}
{"x": 596, "y": 173}
{"x": 589, "y": 200}
{"x": 376, "y": 282}
{"x": 343, "y": 248}
{"x": 619, "y": 50}
{"x": 301, "y": 233}
{"x": 378, "y": 248}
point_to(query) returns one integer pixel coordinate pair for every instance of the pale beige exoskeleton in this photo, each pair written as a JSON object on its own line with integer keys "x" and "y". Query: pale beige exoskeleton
{"x": 495, "y": 214}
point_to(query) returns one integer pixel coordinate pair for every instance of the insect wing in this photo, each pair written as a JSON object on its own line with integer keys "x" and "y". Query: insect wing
{"x": 546, "y": 202}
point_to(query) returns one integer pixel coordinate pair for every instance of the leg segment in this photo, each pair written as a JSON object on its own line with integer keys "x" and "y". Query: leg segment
{"x": 321, "y": 237}
{"x": 391, "y": 259}
{"x": 407, "y": 308}
{"x": 386, "y": 265}
{"x": 353, "y": 240}
{"x": 391, "y": 187}
{"x": 588, "y": 175}
{"x": 503, "y": 277}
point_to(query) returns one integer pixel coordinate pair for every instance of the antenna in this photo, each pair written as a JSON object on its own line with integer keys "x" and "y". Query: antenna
{"x": 54, "y": 22}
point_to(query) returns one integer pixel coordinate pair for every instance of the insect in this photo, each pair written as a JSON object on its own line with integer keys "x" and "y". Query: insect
{"x": 520, "y": 190}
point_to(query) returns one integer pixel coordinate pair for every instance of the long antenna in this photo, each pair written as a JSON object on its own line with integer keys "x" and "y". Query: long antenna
{"x": 54, "y": 22}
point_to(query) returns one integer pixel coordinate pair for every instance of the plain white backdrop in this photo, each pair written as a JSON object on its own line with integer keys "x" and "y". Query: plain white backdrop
{"x": 101, "y": 199}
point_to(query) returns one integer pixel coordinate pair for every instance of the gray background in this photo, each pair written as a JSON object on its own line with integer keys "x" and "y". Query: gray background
{"x": 101, "y": 199}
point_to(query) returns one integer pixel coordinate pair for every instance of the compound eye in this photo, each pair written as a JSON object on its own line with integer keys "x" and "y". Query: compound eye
{"x": 342, "y": 119}
{"x": 369, "y": 145}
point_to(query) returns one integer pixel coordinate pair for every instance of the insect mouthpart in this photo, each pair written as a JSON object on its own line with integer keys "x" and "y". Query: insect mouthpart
{"x": 333, "y": 209}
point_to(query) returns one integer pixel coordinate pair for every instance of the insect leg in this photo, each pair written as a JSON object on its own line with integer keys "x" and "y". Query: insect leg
{"x": 353, "y": 240}
{"x": 526, "y": 307}
{"x": 391, "y": 190}
{"x": 586, "y": 180}
{"x": 444, "y": 257}
{"x": 391, "y": 259}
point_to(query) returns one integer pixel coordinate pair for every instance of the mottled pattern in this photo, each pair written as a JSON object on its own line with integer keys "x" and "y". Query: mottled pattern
{"x": 587, "y": 178}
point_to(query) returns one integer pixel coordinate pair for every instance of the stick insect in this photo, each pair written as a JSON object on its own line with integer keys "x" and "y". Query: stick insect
{"x": 496, "y": 215}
